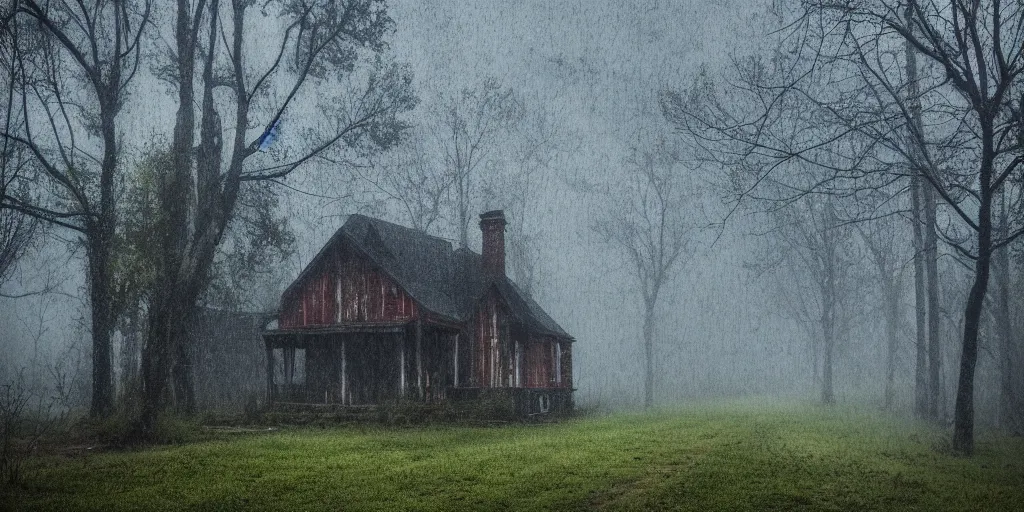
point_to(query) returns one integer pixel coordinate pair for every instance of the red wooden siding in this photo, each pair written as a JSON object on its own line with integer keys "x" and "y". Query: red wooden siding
{"x": 538, "y": 364}
{"x": 348, "y": 289}
{"x": 368, "y": 295}
{"x": 544, "y": 361}
{"x": 495, "y": 364}
{"x": 548, "y": 363}
{"x": 311, "y": 303}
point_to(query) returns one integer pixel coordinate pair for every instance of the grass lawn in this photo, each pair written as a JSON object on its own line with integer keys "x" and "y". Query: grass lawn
{"x": 728, "y": 457}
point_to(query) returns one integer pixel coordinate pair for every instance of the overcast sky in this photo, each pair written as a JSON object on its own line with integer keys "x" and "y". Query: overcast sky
{"x": 597, "y": 67}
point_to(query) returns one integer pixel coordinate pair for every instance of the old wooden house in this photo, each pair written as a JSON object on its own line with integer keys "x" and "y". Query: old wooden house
{"x": 384, "y": 312}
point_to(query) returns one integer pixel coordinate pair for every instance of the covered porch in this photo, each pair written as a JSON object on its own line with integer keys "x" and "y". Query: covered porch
{"x": 361, "y": 363}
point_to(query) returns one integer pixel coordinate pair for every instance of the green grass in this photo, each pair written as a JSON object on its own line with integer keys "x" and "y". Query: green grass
{"x": 731, "y": 457}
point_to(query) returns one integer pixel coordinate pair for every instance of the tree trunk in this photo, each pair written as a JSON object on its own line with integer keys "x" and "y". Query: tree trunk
{"x": 102, "y": 325}
{"x": 963, "y": 416}
{"x": 1016, "y": 349}
{"x": 892, "y": 327}
{"x": 156, "y": 364}
{"x": 175, "y": 188}
{"x": 917, "y": 185}
{"x": 649, "y": 356}
{"x": 101, "y": 240}
{"x": 828, "y": 396}
{"x": 463, "y": 199}
{"x": 165, "y": 356}
{"x": 920, "y": 309}
{"x": 1011, "y": 415}
{"x": 1010, "y": 406}
{"x": 828, "y": 330}
{"x": 932, "y": 272}
{"x": 963, "y": 428}
{"x": 1015, "y": 376}
{"x": 183, "y": 377}
{"x": 815, "y": 360}
{"x": 130, "y": 353}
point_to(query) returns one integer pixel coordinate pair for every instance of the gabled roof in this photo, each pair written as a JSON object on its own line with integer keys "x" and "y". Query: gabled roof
{"x": 524, "y": 306}
{"x": 446, "y": 282}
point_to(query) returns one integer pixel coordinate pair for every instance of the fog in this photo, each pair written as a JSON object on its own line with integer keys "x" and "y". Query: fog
{"x": 734, "y": 317}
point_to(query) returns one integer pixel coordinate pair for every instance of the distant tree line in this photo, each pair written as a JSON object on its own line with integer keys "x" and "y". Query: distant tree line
{"x": 865, "y": 113}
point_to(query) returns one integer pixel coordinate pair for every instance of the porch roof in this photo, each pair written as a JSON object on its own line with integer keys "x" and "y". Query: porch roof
{"x": 344, "y": 328}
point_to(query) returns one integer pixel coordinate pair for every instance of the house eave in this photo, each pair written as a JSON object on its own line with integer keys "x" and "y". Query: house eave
{"x": 344, "y": 328}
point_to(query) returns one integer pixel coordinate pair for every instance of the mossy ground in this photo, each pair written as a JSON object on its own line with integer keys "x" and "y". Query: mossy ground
{"x": 719, "y": 457}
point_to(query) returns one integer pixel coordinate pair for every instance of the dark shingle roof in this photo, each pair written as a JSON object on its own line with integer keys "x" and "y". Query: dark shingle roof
{"x": 446, "y": 282}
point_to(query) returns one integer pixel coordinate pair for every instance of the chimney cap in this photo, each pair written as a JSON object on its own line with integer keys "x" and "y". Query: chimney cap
{"x": 493, "y": 216}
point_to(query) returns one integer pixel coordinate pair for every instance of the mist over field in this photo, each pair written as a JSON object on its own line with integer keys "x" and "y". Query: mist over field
{"x": 793, "y": 201}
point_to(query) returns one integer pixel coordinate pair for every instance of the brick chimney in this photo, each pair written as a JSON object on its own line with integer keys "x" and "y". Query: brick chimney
{"x": 492, "y": 226}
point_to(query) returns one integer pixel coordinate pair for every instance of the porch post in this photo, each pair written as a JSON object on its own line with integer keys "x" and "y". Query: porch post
{"x": 288, "y": 354}
{"x": 419, "y": 357}
{"x": 518, "y": 356}
{"x": 344, "y": 377}
{"x": 455, "y": 361}
{"x": 270, "y": 370}
{"x": 401, "y": 365}
{"x": 558, "y": 363}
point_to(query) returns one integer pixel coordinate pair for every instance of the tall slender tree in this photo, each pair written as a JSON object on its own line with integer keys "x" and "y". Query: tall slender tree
{"x": 76, "y": 62}
{"x": 473, "y": 123}
{"x": 1011, "y": 365}
{"x": 647, "y": 223}
{"x": 926, "y": 267}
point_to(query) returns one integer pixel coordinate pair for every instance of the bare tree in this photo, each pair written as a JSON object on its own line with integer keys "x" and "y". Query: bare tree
{"x": 926, "y": 270}
{"x": 75, "y": 63}
{"x": 1011, "y": 355}
{"x": 883, "y": 239}
{"x": 411, "y": 177}
{"x": 529, "y": 158}
{"x": 37, "y": 395}
{"x": 646, "y": 221}
{"x": 922, "y": 393}
{"x": 438, "y": 179}
{"x": 507, "y": 167}
{"x": 979, "y": 47}
{"x": 812, "y": 239}
{"x": 471, "y": 127}
{"x": 975, "y": 47}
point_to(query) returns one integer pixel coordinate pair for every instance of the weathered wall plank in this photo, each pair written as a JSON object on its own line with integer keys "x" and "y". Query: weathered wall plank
{"x": 348, "y": 289}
